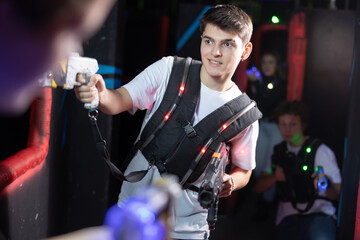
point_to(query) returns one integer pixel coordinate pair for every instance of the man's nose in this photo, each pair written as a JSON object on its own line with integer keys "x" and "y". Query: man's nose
{"x": 287, "y": 129}
{"x": 216, "y": 51}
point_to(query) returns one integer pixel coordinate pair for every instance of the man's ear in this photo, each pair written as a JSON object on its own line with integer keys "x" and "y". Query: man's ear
{"x": 247, "y": 51}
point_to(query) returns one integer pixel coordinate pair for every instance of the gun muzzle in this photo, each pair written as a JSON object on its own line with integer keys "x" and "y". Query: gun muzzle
{"x": 206, "y": 195}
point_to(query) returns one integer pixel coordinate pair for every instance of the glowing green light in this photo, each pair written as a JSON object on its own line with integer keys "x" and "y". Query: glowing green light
{"x": 275, "y": 19}
{"x": 305, "y": 168}
{"x": 308, "y": 150}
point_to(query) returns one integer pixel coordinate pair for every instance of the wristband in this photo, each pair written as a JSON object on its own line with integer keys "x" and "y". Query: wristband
{"x": 232, "y": 184}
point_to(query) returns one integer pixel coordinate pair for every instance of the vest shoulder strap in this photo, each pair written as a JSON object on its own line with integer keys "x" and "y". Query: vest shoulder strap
{"x": 220, "y": 126}
{"x": 227, "y": 116}
{"x": 177, "y": 87}
{"x": 173, "y": 95}
{"x": 309, "y": 149}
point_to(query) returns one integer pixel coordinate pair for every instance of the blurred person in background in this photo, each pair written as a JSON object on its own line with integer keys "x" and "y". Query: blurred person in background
{"x": 268, "y": 88}
{"x": 307, "y": 179}
{"x": 35, "y": 36}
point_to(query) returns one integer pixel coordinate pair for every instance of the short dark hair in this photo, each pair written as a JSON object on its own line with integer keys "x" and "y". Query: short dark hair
{"x": 228, "y": 18}
{"x": 296, "y": 108}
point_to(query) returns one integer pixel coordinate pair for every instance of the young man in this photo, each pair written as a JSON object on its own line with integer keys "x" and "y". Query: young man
{"x": 305, "y": 211}
{"x": 35, "y": 36}
{"x": 225, "y": 33}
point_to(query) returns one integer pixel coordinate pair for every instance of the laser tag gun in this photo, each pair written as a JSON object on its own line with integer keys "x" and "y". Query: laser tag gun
{"x": 254, "y": 71}
{"x": 210, "y": 187}
{"x": 75, "y": 64}
{"x": 144, "y": 216}
{"x": 322, "y": 182}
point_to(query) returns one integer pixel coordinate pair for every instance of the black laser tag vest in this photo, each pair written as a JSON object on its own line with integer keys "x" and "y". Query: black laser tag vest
{"x": 299, "y": 186}
{"x": 171, "y": 142}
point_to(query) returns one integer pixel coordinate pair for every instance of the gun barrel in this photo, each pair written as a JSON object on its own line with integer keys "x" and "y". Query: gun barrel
{"x": 211, "y": 185}
{"x": 206, "y": 195}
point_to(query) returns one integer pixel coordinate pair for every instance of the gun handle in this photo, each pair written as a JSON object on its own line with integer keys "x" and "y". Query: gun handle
{"x": 94, "y": 103}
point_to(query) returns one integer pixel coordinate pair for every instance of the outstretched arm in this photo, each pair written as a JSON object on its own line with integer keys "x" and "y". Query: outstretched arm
{"x": 110, "y": 101}
{"x": 266, "y": 180}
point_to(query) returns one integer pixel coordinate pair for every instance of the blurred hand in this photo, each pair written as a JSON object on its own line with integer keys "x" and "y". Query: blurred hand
{"x": 316, "y": 180}
{"x": 279, "y": 174}
{"x": 252, "y": 77}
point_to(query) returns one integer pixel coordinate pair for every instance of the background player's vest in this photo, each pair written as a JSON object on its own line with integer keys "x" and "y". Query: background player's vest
{"x": 299, "y": 186}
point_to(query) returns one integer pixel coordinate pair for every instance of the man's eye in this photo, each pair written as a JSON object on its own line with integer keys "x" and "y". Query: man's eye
{"x": 208, "y": 41}
{"x": 228, "y": 44}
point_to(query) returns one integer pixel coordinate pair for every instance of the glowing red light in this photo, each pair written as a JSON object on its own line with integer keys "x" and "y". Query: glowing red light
{"x": 167, "y": 116}
{"x": 224, "y": 126}
{"x": 203, "y": 150}
{"x": 182, "y": 88}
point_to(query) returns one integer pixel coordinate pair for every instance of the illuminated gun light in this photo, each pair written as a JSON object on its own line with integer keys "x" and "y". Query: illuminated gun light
{"x": 322, "y": 182}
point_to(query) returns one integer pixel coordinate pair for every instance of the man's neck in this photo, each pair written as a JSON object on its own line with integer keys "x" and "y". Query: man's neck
{"x": 220, "y": 85}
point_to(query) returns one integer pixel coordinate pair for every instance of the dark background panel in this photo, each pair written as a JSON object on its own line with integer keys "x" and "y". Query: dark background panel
{"x": 188, "y": 13}
{"x": 330, "y": 41}
{"x": 349, "y": 225}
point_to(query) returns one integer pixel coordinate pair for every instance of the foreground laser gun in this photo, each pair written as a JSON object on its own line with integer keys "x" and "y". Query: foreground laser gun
{"x": 75, "y": 64}
{"x": 144, "y": 216}
{"x": 210, "y": 187}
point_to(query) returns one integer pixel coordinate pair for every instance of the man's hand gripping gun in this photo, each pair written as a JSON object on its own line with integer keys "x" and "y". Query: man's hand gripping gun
{"x": 210, "y": 187}
{"x": 75, "y": 64}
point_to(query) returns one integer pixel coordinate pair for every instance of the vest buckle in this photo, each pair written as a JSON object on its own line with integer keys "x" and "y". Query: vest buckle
{"x": 189, "y": 130}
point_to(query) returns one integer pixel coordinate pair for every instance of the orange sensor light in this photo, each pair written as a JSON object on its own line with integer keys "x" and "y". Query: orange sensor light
{"x": 167, "y": 116}
{"x": 224, "y": 126}
{"x": 203, "y": 150}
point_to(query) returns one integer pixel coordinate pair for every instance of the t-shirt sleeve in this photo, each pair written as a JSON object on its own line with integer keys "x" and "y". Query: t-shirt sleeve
{"x": 243, "y": 147}
{"x": 146, "y": 86}
{"x": 325, "y": 157}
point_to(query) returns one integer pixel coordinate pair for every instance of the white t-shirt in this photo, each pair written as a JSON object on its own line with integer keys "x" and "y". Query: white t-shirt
{"x": 147, "y": 90}
{"x": 324, "y": 157}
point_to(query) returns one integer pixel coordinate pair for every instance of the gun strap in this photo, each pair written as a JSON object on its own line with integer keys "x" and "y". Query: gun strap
{"x": 194, "y": 188}
{"x": 104, "y": 154}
